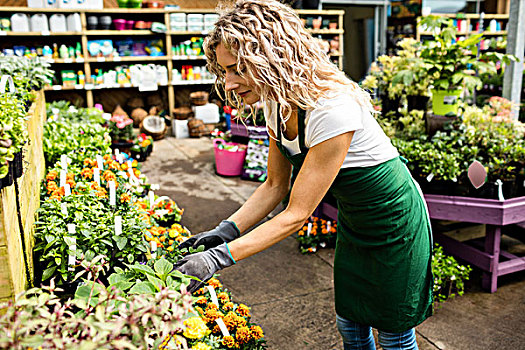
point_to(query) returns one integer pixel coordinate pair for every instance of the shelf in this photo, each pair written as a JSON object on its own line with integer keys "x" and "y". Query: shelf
{"x": 126, "y": 59}
{"x": 65, "y": 60}
{"x": 500, "y": 32}
{"x": 325, "y": 31}
{"x": 4, "y": 33}
{"x": 103, "y": 10}
{"x": 121, "y": 32}
{"x": 187, "y": 32}
{"x": 187, "y": 58}
{"x": 321, "y": 12}
{"x": 192, "y": 82}
{"x": 123, "y": 86}
{"x": 432, "y": 34}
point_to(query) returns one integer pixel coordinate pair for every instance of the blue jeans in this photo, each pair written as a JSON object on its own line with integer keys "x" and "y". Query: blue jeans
{"x": 359, "y": 337}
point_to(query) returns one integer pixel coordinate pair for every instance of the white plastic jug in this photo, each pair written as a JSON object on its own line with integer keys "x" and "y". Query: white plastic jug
{"x": 19, "y": 22}
{"x": 35, "y": 4}
{"x": 39, "y": 23}
{"x": 162, "y": 75}
{"x": 73, "y": 23}
{"x": 57, "y": 23}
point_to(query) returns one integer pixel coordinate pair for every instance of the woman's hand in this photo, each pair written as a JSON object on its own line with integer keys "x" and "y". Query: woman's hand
{"x": 204, "y": 265}
{"x": 225, "y": 232}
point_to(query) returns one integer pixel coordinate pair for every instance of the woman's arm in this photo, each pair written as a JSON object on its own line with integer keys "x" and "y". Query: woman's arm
{"x": 268, "y": 195}
{"x": 321, "y": 166}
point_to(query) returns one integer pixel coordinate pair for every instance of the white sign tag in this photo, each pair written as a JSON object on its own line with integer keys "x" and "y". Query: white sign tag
{"x": 328, "y": 226}
{"x": 213, "y": 295}
{"x": 63, "y": 178}
{"x": 63, "y": 162}
{"x": 118, "y": 225}
{"x": 67, "y": 190}
{"x": 63, "y": 207}
{"x": 100, "y": 162}
{"x": 309, "y": 229}
{"x": 71, "y": 228}
{"x": 112, "y": 194}
{"x": 71, "y": 259}
{"x": 151, "y": 197}
{"x": 153, "y": 246}
{"x": 117, "y": 152}
{"x": 430, "y": 177}
{"x": 96, "y": 175}
{"x": 223, "y": 327}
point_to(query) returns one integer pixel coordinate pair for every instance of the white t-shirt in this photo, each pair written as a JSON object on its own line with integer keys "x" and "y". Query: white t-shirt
{"x": 335, "y": 116}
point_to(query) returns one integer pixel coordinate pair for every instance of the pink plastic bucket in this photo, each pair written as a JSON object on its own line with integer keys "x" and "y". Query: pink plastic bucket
{"x": 228, "y": 163}
{"x": 120, "y": 24}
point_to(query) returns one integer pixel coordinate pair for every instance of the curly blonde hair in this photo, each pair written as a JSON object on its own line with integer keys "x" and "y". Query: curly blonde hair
{"x": 277, "y": 56}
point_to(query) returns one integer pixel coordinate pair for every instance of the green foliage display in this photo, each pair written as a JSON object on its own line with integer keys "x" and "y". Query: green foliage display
{"x": 449, "y": 275}
{"x": 35, "y": 71}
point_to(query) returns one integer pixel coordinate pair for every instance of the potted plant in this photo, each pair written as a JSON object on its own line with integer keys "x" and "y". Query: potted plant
{"x": 121, "y": 132}
{"x": 452, "y": 63}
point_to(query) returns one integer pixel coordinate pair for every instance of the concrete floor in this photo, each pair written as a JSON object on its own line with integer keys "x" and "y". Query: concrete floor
{"x": 291, "y": 295}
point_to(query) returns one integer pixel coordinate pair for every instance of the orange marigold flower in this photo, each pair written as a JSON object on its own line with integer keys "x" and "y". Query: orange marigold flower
{"x": 199, "y": 310}
{"x": 223, "y": 297}
{"x": 199, "y": 291}
{"x": 124, "y": 166}
{"x": 212, "y": 314}
{"x": 106, "y": 156}
{"x": 212, "y": 306}
{"x": 202, "y": 300}
{"x": 214, "y": 283}
{"x": 257, "y": 332}
{"x": 113, "y": 165}
{"x": 243, "y": 335}
{"x": 87, "y": 173}
{"x": 71, "y": 183}
{"x": 136, "y": 172}
{"x": 94, "y": 185}
{"x": 243, "y": 310}
{"x": 228, "y": 341}
{"x": 228, "y": 306}
{"x": 51, "y": 186}
{"x": 125, "y": 198}
{"x": 70, "y": 176}
{"x": 232, "y": 321}
{"x": 52, "y": 175}
{"x": 216, "y": 329}
{"x": 88, "y": 162}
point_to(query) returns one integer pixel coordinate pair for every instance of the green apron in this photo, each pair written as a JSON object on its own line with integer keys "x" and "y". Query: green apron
{"x": 382, "y": 269}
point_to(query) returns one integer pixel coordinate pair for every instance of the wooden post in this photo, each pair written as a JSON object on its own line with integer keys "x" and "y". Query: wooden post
{"x": 492, "y": 242}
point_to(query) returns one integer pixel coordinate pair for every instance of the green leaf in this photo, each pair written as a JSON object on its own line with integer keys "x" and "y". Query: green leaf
{"x": 157, "y": 282}
{"x": 143, "y": 288}
{"x": 163, "y": 267}
{"x": 115, "y": 278}
{"x": 48, "y": 273}
{"x": 142, "y": 269}
{"x": 121, "y": 241}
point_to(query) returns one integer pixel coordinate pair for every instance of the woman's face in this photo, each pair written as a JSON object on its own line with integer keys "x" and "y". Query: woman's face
{"x": 233, "y": 82}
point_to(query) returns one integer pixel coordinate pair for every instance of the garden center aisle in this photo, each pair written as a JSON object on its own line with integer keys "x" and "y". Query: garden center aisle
{"x": 290, "y": 294}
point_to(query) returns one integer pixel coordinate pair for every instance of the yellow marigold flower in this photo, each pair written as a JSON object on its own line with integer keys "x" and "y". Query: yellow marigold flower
{"x": 232, "y": 321}
{"x": 200, "y": 346}
{"x": 199, "y": 291}
{"x": 87, "y": 162}
{"x": 243, "y": 310}
{"x": 199, "y": 310}
{"x": 195, "y": 328}
{"x": 136, "y": 172}
{"x": 106, "y": 156}
{"x": 87, "y": 173}
{"x": 212, "y": 306}
{"x": 228, "y": 306}
{"x": 257, "y": 332}
{"x": 124, "y": 166}
{"x": 228, "y": 341}
{"x": 216, "y": 329}
{"x": 243, "y": 335}
{"x": 70, "y": 176}
{"x": 125, "y": 198}
{"x": 223, "y": 297}
{"x": 212, "y": 314}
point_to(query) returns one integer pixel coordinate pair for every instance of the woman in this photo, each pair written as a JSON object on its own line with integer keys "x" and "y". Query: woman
{"x": 321, "y": 123}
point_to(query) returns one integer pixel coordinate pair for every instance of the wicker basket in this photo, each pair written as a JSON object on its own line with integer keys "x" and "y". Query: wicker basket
{"x": 182, "y": 113}
{"x": 199, "y": 98}
{"x": 156, "y": 134}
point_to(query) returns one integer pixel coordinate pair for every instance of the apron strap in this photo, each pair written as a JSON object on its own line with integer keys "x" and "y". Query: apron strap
{"x": 301, "y": 116}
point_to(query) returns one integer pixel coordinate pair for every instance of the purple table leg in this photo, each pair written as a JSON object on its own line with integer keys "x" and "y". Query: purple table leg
{"x": 492, "y": 242}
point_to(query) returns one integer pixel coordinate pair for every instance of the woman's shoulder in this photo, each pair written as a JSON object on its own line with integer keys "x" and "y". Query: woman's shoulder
{"x": 340, "y": 100}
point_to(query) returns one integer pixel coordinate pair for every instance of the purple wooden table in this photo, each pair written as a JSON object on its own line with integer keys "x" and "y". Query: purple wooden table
{"x": 493, "y": 213}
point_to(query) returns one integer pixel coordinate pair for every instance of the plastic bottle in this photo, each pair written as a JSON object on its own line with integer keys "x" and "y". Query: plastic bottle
{"x": 81, "y": 77}
{"x": 55, "y": 51}
{"x": 78, "y": 51}
{"x": 63, "y": 51}
{"x": 190, "y": 75}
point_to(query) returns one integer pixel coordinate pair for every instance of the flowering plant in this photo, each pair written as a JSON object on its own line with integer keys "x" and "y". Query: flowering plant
{"x": 449, "y": 275}
{"x": 121, "y": 127}
{"x": 316, "y": 233}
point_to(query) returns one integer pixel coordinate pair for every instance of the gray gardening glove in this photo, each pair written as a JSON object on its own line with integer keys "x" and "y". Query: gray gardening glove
{"x": 226, "y": 232}
{"x": 204, "y": 265}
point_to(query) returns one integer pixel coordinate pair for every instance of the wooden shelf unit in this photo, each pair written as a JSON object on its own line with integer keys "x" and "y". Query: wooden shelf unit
{"x": 469, "y": 18}
{"x": 87, "y": 61}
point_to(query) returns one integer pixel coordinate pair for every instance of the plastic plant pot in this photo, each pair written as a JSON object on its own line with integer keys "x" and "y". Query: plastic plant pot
{"x": 120, "y": 24}
{"x": 129, "y": 24}
{"x": 445, "y": 102}
{"x": 136, "y": 4}
{"x": 122, "y": 3}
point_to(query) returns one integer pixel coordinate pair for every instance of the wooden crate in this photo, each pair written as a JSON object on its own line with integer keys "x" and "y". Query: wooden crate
{"x": 13, "y": 272}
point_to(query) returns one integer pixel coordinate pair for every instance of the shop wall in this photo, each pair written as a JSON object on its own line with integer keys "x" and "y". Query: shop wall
{"x": 113, "y": 3}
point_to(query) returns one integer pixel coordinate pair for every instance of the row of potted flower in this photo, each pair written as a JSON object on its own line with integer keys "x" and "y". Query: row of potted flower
{"x": 105, "y": 240}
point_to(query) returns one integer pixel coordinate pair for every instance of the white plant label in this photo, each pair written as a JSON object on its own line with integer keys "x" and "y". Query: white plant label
{"x": 63, "y": 178}
{"x": 153, "y": 246}
{"x": 309, "y": 229}
{"x": 67, "y": 190}
{"x": 223, "y": 327}
{"x": 117, "y": 152}
{"x": 213, "y": 295}
{"x": 71, "y": 228}
{"x": 112, "y": 194}
{"x": 96, "y": 175}
{"x": 328, "y": 226}
{"x": 63, "y": 208}
{"x": 71, "y": 259}
{"x": 100, "y": 162}
{"x": 151, "y": 197}
{"x": 63, "y": 162}
{"x": 430, "y": 177}
{"x": 118, "y": 225}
